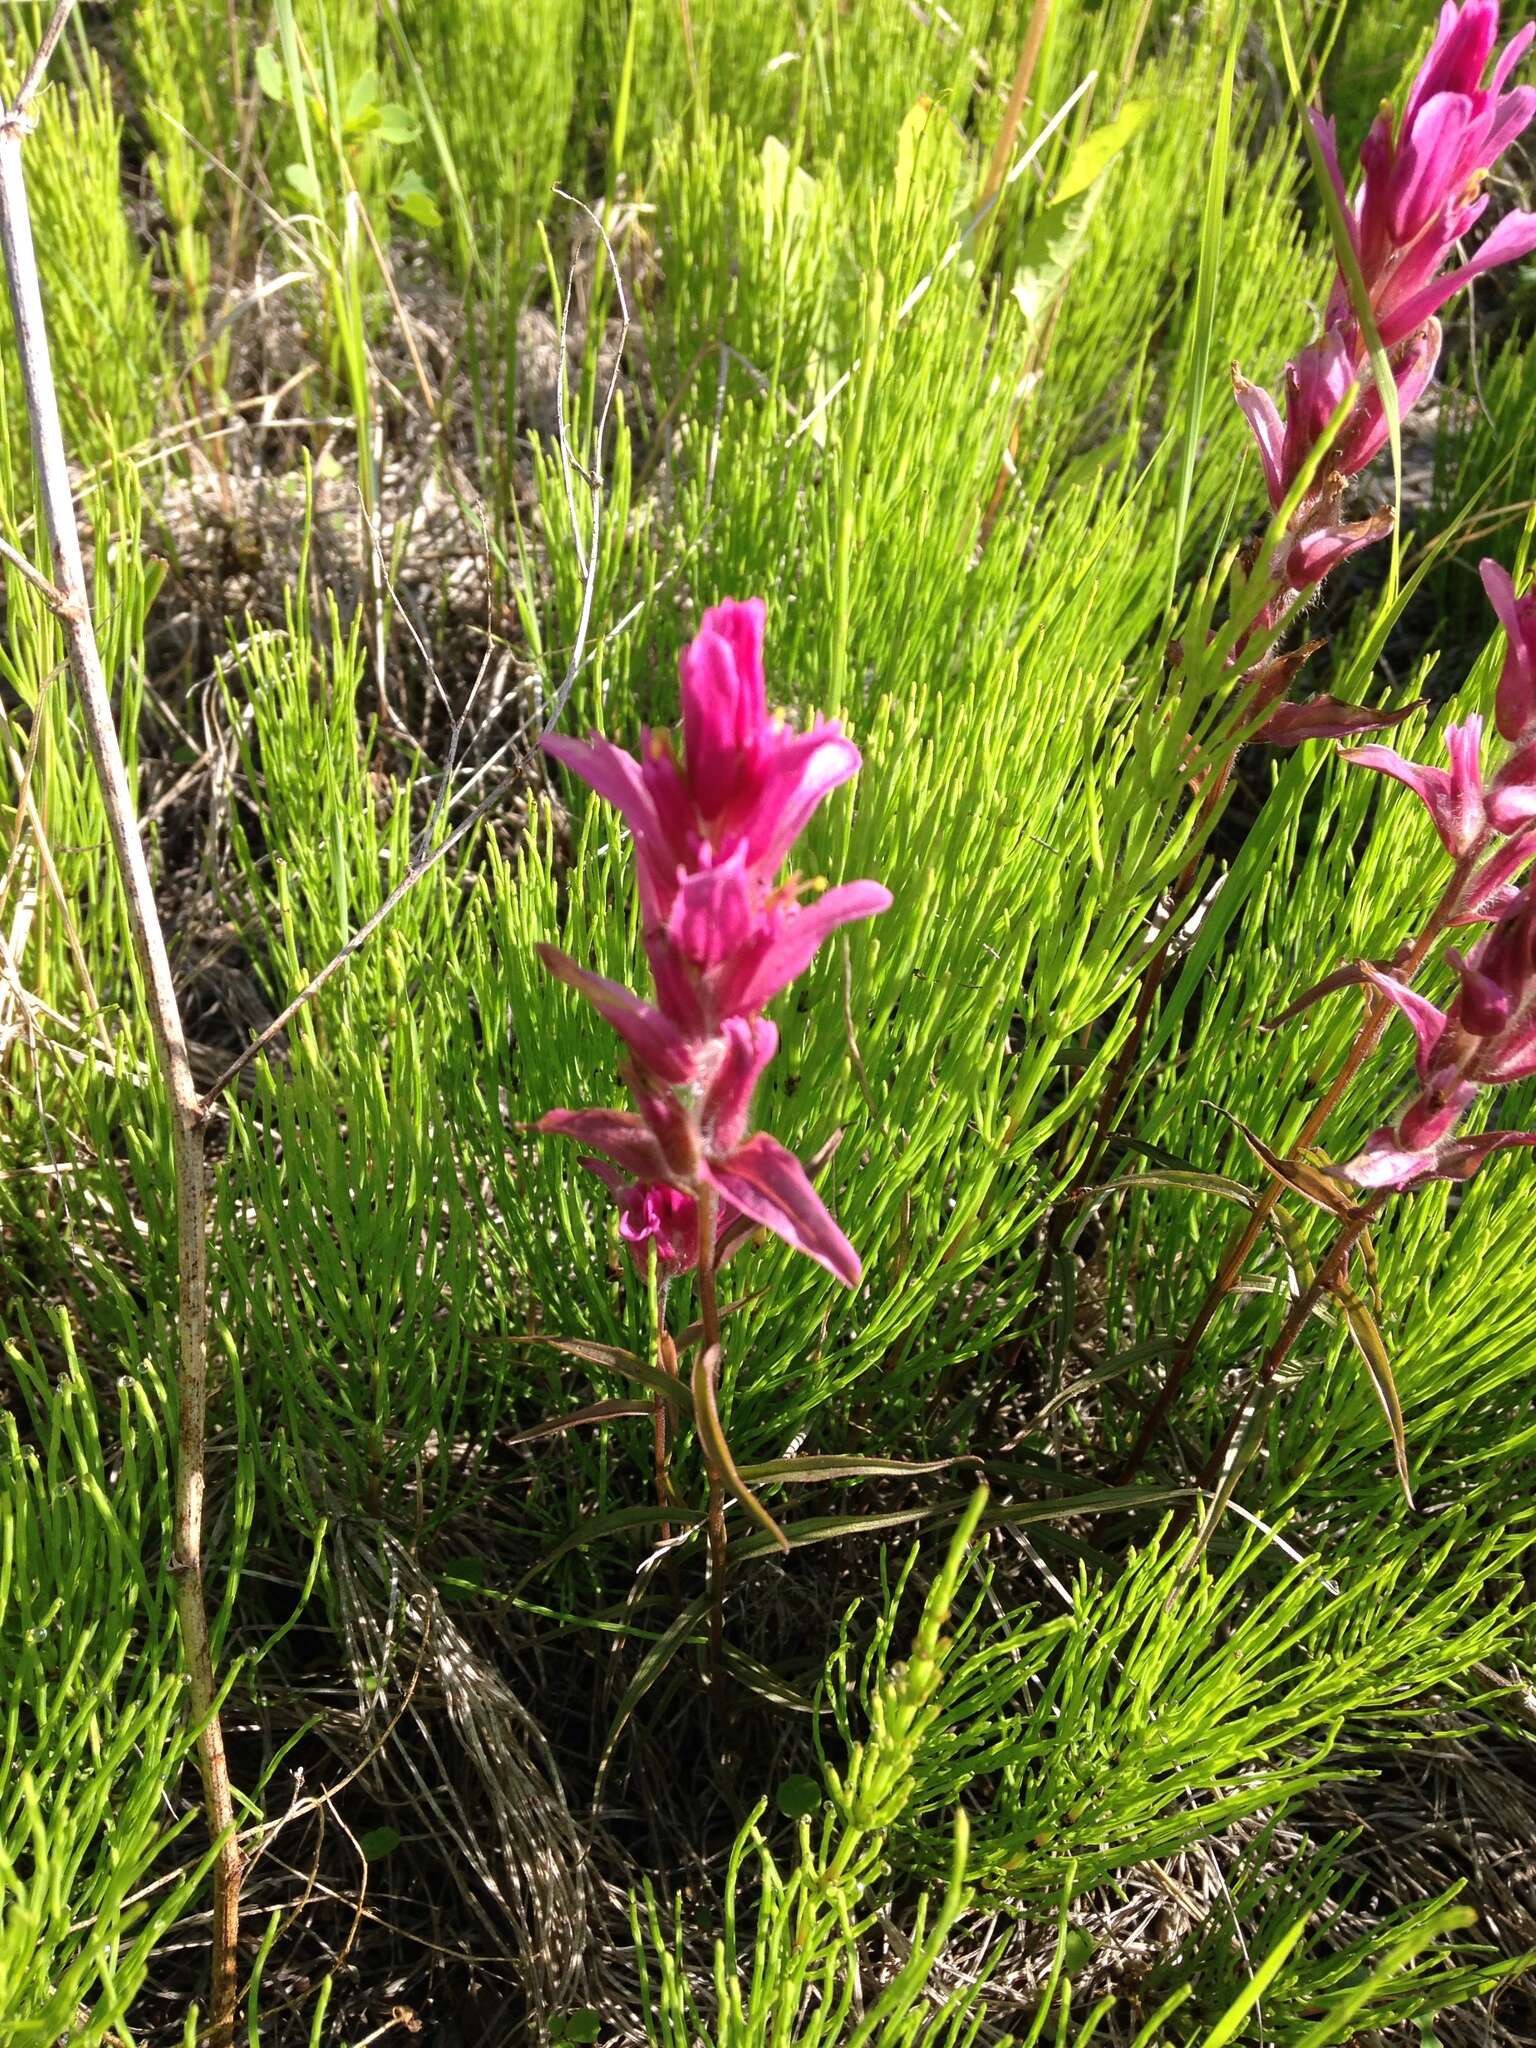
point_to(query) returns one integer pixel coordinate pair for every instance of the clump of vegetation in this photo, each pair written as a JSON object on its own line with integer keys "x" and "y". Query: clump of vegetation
{"x": 1078, "y": 1593}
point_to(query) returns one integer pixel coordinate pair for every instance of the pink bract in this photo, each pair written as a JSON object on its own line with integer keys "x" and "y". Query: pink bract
{"x": 1419, "y": 195}
{"x": 724, "y": 934}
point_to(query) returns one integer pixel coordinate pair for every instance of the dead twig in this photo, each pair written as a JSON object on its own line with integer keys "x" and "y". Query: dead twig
{"x": 588, "y": 551}
{"x": 69, "y": 601}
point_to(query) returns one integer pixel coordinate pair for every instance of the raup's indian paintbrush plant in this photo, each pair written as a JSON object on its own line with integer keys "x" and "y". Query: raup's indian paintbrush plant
{"x": 725, "y": 931}
{"x": 1488, "y": 1036}
{"x": 1486, "y": 1039}
{"x": 1421, "y": 192}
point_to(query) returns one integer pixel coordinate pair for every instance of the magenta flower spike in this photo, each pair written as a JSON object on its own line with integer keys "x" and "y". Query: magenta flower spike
{"x": 1420, "y": 194}
{"x": 750, "y": 784}
{"x": 1454, "y": 798}
{"x": 1491, "y": 890}
{"x": 1515, "y": 704}
{"x": 652, "y": 1217}
{"x": 724, "y": 935}
{"x": 1486, "y": 1039}
{"x": 1412, "y": 367}
{"x": 1471, "y": 814}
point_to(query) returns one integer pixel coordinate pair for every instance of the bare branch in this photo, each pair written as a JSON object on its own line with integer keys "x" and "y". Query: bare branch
{"x": 49, "y": 592}
{"x": 588, "y": 555}
{"x": 39, "y": 64}
{"x": 69, "y": 598}
{"x": 593, "y": 479}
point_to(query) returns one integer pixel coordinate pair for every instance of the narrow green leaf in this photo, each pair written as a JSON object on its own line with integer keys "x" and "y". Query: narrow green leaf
{"x": 1189, "y": 1179}
{"x": 1226, "y": 2028}
{"x": 1240, "y": 1455}
{"x": 619, "y": 1522}
{"x": 717, "y": 1451}
{"x": 1359, "y": 295}
{"x": 1299, "y": 1175}
{"x": 807, "y": 1470}
{"x": 1367, "y": 1337}
{"x": 652, "y": 1668}
{"x": 599, "y": 1411}
{"x": 1208, "y": 278}
{"x": 611, "y": 1358}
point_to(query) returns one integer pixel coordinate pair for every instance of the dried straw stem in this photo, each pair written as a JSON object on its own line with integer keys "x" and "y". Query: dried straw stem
{"x": 68, "y": 598}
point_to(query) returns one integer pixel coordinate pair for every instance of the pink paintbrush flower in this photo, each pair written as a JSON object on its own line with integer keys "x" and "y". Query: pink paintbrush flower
{"x": 1317, "y": 382}
{"x": 1454, "y": 798}
{"x": 1515, "y": 704}
{"x": 1465, "y": 811}
{"x": 748, "y": 783}
{"x": 758, "y": 1179}
{"x": 653, "y": 1217}
{"x": 1472, "y": 814}
{"x": 1420, "y": 193}
{"x": 1422, "y": 187}
{"x": 724, "y": 935}
{"x": 1486, "y": 1039}
{"x": 1385, "y": 1162}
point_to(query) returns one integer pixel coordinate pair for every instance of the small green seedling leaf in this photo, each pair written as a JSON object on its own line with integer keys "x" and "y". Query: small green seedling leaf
{"x": 798, "y": 1797}
{"x": 269, "y": 74}
{"x": 397, "y": 124}
{"x": 461, "y": 1578}
{"x": 303, "y": 183}
{"x": 379, "y": 1843}
{"x": 1077, "y": 1951}
{"x": 579, "y": 2028}
{"x": 1055, "y": 237}
{"x": 789, "y": 192}
{"x": 360, "y": 100}
{"x": 931, "y": 156}
{"x": 1096, "y": 152}
{"x": 410, "y": 195}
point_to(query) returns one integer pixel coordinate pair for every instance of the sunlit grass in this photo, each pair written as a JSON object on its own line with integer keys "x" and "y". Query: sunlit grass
{"x": 305, "y": 268}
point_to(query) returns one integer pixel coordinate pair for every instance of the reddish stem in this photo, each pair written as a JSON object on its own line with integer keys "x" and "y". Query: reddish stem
{"x": 1377, "y": 1016}
{"x": 1212, "y": 798}
{"x": 709, "y": 1339}
{"x": 1327, "y": 1273}
{"x": 666, "y": 1360}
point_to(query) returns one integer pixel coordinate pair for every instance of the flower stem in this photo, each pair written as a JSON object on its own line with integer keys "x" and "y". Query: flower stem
{"x": 709, "y": 1370}
{"x": 1258, "y": 688}
{"x": 1327, "y": 1273}
{"x": 1213, "y": 802}
{"x": 1153, "y": 975}
{"x": 1377, "y": 1016}
{"x": 1013, "y": 113}
{"x": 72, "y": 604}
{"x": 666, "y": 1361}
